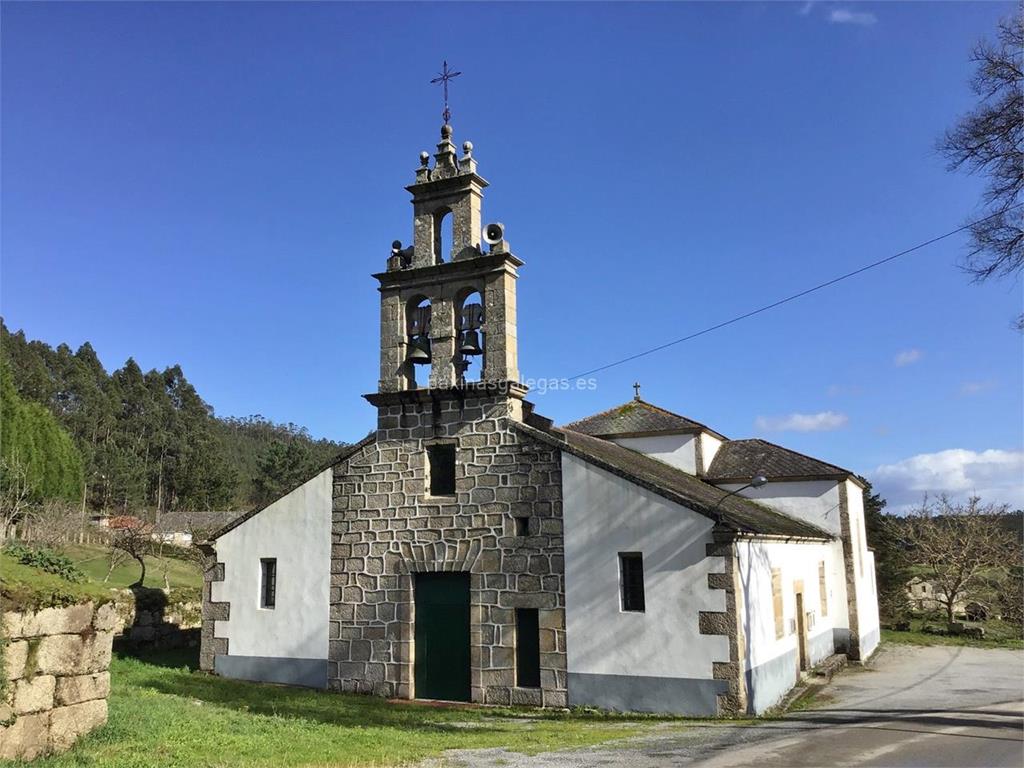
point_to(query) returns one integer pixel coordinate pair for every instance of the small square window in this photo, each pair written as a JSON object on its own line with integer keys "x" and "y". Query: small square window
{"x": 268, "y": 582}
{"x": 522, "y": 526}
{"x": 442, "y": 469}
{"x": 631, "y": 579}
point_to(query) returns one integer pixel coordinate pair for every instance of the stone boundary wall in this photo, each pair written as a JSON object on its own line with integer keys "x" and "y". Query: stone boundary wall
{"x": 54, "y": 677}
{"x": 146, "y": 620}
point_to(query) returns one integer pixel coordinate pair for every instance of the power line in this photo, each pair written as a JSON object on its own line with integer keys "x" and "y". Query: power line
{"x": 795, "y": 296}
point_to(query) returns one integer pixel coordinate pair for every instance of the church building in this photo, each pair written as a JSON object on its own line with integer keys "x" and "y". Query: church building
{"x": 469, "y": 550}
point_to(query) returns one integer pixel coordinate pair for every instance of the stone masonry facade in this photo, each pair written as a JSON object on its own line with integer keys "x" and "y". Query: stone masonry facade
{"x": 734, "y": 700}
{"x": 387, "y": 528}
{"x": 212, "y": 646}
{"x": 55, "y": 665}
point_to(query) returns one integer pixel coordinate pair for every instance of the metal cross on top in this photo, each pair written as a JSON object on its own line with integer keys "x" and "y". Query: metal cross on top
{"x": 443, "y": 77}
{"x": 636, "y": 390}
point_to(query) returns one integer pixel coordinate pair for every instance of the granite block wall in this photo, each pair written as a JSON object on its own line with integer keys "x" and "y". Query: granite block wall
{"x": 387, "y": 527}
{"x": 56, "y": 679}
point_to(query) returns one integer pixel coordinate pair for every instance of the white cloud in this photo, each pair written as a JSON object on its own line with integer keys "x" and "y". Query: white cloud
{"x": 976, "y": 387}
{"x": 801, "y": 422}
{"x": 997, "y": 476}
{"x": 806, "y": 8}
{"x": 907, "y": 357}
{"x": 844, "y": 16}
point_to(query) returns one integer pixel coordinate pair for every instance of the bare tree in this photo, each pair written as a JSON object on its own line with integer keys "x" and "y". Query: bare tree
{"x": 990, "y": 140}
{"x": 958, "y": 546}
{"x": 15, "y": 494}
{"x": 118, "y": 557}
{"x": 159, "y": 545}
{"x": 53, "y": 522}
{"x": 133, "y": 537}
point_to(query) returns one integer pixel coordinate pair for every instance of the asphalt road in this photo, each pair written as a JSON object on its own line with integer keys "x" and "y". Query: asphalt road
{"x": 912, "y": 707}
{"x": 921, "y": 707}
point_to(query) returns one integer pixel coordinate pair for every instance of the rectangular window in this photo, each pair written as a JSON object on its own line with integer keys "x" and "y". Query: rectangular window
{"x": 822, "y": 589}
{"x": 780, "y": 624}
{"x": 268, "y": 582}
{"x": 527, "y": 648}
{"x": 522, "y": 526}
{"x": 442, "y": 469}
{"x": 631, "y": 579}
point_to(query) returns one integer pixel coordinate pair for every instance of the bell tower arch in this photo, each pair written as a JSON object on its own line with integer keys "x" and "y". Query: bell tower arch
{"x": 450, "y": 313}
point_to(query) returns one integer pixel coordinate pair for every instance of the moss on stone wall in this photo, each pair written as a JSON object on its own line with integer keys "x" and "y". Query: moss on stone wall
{"x": 24, "y": 588}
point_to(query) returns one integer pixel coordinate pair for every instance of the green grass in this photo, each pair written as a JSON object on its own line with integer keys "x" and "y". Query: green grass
{"x": 25, "y": 587}
{"x": 812, "y": 696}
{"x": 998, "y": 634}
{"x": 93, "y": 560}
{"x": 163, "y": 713}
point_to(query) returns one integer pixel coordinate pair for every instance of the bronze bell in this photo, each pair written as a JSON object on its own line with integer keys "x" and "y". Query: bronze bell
{"x": 470, "y": 344}
{"x": 419, "y": 350}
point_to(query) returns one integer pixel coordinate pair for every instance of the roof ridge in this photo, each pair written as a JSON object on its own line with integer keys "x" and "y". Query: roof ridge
{"x": 672, "y": 413}
{"x": 643, "y": 408}
{"x": 798, "y": 453}
{"x": 647, "y": 477}
{"x": 600, "y": 413}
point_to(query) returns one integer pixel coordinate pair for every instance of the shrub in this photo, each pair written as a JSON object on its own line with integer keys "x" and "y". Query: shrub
{"x": 45, "y": 560}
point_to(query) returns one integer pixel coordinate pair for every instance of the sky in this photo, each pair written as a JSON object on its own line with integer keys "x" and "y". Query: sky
{"x": 213, "y": 185}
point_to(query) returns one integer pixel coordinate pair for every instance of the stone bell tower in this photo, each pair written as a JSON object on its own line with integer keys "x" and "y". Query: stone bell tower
{"x": 447, "y": 571}
{"x": 448, "y": 313}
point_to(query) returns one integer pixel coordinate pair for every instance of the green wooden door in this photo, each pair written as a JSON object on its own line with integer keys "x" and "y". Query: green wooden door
{"x": 442, "y": 636}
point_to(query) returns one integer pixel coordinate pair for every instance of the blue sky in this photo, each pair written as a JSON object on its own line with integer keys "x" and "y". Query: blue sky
{"x": 212, "y": 185}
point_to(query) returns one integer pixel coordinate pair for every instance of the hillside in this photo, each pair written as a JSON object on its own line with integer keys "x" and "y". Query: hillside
{"x": 148, "y": 441}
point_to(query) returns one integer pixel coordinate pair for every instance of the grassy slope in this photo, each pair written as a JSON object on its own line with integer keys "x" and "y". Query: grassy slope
{"x": 93, "y": 560}
{"x": 24, "y": 587}
{"x": 163, "y": 714}
{"x": 998, "y": 634}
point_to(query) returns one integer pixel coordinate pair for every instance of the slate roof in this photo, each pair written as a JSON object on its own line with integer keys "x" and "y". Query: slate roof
{"x": 637, "y": 417}
{"x": 345, "y": 453}
{"x": 742, "y": 459}
{"x": 183, "y": 521}
{"x": 736, "y": 512}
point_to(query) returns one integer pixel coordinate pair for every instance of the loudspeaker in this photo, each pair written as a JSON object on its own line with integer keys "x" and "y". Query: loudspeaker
{"x": 494, "y": 233}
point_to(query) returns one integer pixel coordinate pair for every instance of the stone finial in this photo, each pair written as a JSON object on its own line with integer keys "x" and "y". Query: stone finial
{"x": 445, "y": 159}
{"x": 423, "y": 172}
{"x": 467, "y": 163}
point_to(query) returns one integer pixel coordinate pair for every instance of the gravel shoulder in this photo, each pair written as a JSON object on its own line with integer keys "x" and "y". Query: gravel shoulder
{"x": 910, "y": 706}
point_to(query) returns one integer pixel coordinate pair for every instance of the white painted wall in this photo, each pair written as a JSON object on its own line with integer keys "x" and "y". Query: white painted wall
{"x": 709, "y": 447}
{"x": 678, "y": 450}
{"x": 296, "y": 529}
{"x": 864, "y": 572}
{"x": 815, "y": 501}
{"x": 780, "y": 656}
{"x": 605, "y": 515}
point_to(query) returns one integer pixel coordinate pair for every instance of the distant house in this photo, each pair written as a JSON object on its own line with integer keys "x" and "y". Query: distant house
{"x": 177, "y": 528}
{"x": 181, "y": 526}
{"x": 925, "y": 596}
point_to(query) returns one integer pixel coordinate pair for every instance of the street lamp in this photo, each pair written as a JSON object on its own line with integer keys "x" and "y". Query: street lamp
{"x": 755, "y": 482}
